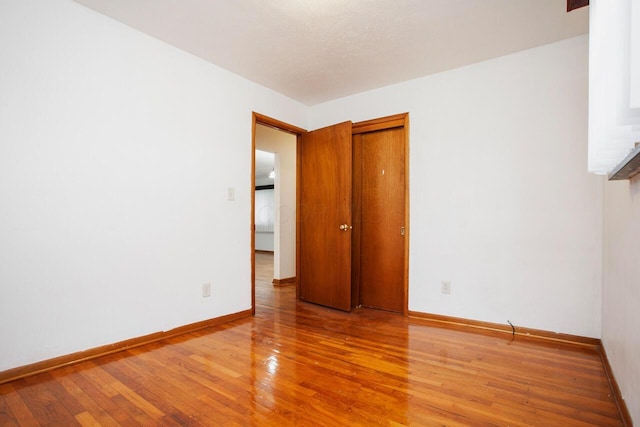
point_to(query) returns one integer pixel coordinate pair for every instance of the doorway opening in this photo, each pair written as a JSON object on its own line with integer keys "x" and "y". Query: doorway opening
{"x": 348, "y": 216}
{"x": 274, "y": 193}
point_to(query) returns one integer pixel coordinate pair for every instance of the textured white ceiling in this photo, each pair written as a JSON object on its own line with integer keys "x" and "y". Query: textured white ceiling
{"x": 318, "y": 50}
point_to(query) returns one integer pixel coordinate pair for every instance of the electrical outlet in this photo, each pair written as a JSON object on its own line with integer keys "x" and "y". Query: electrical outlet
{"x": 446, "y": 287}
{"x": 206, "y": 290}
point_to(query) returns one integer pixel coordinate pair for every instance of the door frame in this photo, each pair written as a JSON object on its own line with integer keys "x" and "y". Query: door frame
{"x": 388, "y": 122}
{"x": 383, "y": 123}
{"x": 257, "y": 118}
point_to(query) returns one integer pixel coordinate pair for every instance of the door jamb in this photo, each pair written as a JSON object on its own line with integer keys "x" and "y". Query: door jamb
{"x": 257, "y": 118}
{"x": 397, "y": 120}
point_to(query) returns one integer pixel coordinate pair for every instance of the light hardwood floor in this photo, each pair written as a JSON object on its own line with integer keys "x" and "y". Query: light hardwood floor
{"x": 299, "y": 364}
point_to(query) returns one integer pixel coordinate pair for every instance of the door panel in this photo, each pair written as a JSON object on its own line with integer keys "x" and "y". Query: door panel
{"x": 382, "y": 206}
{"x": 325, "y": 203}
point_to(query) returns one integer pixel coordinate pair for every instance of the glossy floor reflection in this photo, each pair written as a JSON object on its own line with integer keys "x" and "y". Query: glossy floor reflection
{"x": 300, "y": 364}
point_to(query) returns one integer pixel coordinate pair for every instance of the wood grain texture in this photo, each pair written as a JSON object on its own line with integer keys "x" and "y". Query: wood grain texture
{"x": 261, "y": 119}
{"x": 576, "y": 4}
{"x": 295, "y": 363}
{"x": 325, "y": 197}
{"x": 356, "y": 232}
{"x": 615, "y": 388}
{"x": 394, "y": 213}
{"x": 69, "y": 359}
{"x": 382, "y": 199}
{"x": 284, "y": 281}
{"x": 502, "y": 329}
{"x": 387, "y": 122}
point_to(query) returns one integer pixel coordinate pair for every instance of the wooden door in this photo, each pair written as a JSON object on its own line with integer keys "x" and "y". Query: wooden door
{"x": 381, "y": 175}
{"x": 325, "y": 196}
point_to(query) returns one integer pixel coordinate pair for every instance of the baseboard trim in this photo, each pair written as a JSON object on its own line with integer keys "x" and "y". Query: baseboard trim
{"x": 528, "y": 334}
{"x": 284, "y": 282}
{"x": 517, "y": 331}
{"x": 615, "y": 389}
{"x": 81, "y": 356}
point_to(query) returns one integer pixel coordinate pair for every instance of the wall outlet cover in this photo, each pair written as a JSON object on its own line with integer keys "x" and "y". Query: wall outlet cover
{"x": 446, "y": 287}
{"x": 206, "y": 290}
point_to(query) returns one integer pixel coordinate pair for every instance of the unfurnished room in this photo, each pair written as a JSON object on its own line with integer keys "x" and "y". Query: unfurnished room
{"x": 319, "y": 213}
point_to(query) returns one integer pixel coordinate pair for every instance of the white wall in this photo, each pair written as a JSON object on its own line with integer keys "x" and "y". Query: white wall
{"x": 501, "y": 202}
{"x": 621, "y": 287}
{"x": 264, "y": 241}
{"x": 113, "y": 200}
{"x": 634, "y": 55}
{"x": 283, "y": 144}
{"x": 264, "y": 214}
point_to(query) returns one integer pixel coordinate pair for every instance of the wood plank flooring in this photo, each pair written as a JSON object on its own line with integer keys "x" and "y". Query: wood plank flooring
{"x": 299, "y": 364}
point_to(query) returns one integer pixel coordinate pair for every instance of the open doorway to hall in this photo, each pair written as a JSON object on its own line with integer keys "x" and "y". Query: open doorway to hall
{"x": 349, "y": 238}
{"x": 274, "y": 208}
